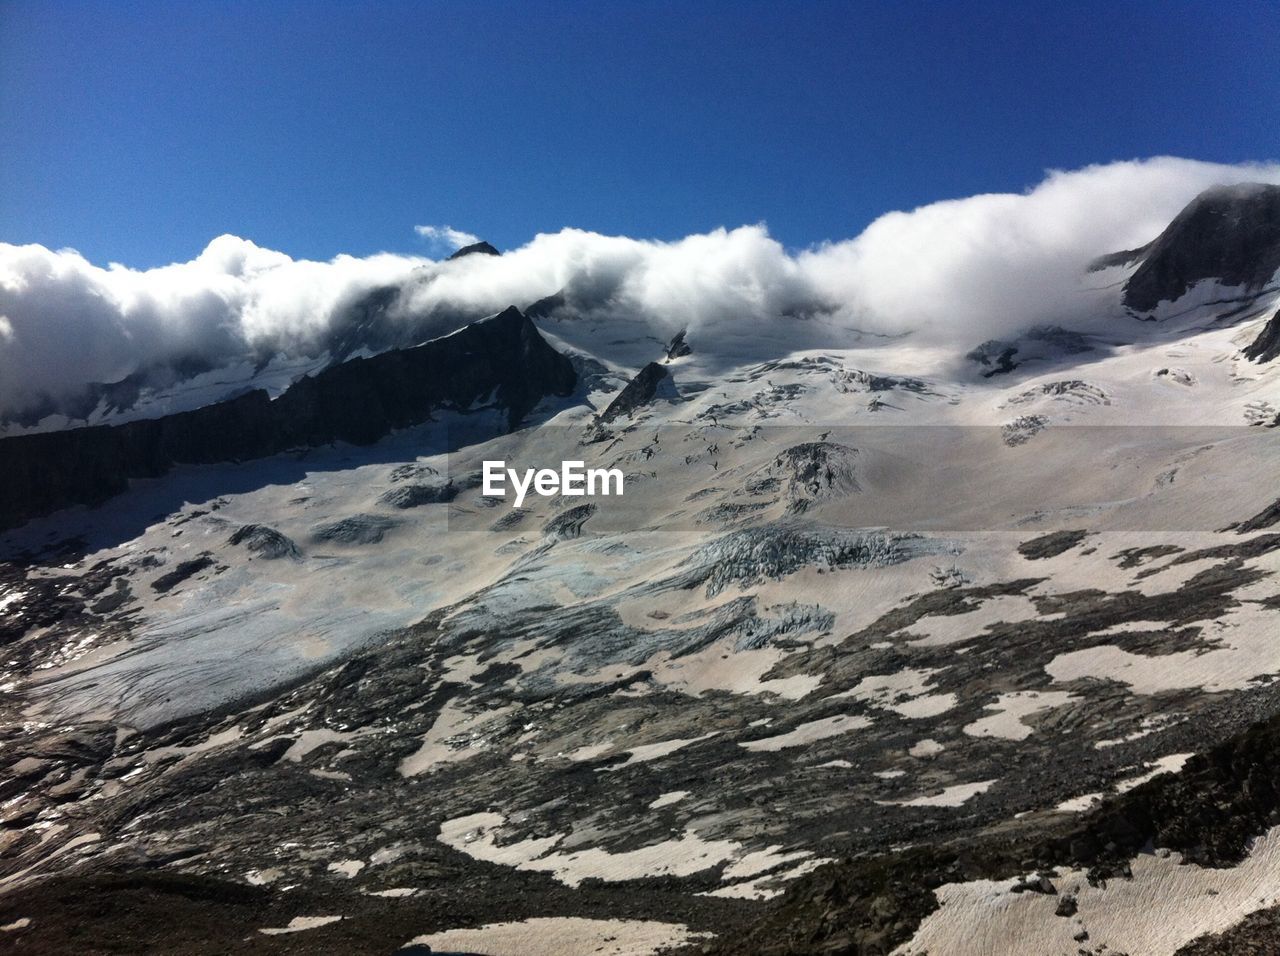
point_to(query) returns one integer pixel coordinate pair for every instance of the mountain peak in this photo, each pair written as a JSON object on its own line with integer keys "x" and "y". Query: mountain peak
{"x": 1230, "y": 233}
{"x": 476, "y": 248}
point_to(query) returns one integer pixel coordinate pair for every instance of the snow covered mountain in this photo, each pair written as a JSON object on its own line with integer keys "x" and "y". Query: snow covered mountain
{"x": 893, "y": 644}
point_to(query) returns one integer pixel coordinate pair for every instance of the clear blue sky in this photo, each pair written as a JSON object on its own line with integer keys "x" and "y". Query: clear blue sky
{"x": 135, "y": 132}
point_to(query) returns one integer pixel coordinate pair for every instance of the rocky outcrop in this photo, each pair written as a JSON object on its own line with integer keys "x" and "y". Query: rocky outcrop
{"x": 547, "y": 306}
{"x": 356, "y": 529}
{"x": 679, "y": 346}
{"x": 808, "y": 473}
{"x": 1268, "y": 517}
{"x": 364, "y": 324}
{"x": 1052, "y": 544}
{"x": 1267, "y": 345}
{"x": 417, "y": 494}
{"x": 110, "y": 397}
{"x": 648, "y": 383}
{"x": 502, "y": 361}
{"x": 753, "y": 555}
{"x": 1210, "y": 812}
{"x": 1044, "y": 344}
{"x": 265, "y": 542}
{"x": 1228, "y": 233}
{"x": 568, "y": 524}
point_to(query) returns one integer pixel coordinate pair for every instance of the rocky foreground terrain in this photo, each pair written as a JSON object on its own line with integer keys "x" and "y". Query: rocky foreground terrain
{"x": 887, "y": 649}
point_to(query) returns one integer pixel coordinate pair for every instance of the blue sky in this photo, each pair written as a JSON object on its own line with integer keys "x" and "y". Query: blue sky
{"x": 136, "y": 132}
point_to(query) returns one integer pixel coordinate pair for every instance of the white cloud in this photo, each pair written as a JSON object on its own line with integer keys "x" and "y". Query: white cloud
{"x": 952, "y": 273}
{"x": 446, "y": 237}
{"x": 71, "y": 322}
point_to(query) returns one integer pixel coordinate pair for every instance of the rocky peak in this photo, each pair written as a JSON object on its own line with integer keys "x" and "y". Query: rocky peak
{"x": 1267, "y": 345}
{"x": 1228, "y": 233}
{"x": 640, "y": 391}
{"x": 476, "y": 248}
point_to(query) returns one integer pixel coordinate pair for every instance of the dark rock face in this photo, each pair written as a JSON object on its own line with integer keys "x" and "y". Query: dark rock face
{"x": 995, "y": 358}
{"x": 186, "y": 569}
{"x": 358, "y": 402}
{"x": 640, "y": 391}
{"x": 1051, "y": 545}
{"x": 417, "y": 494}
{"x": 1209, "y": 813}
{"x": 679, "y": 347}
{"x": 476, "y": 248}
{"x": 357, "y": 529}
{"x": 364, "y": 324}
{"x": 111, "y": 396}
{"x": 808, "y": 473}
{"x": 1268, "y": 517}
{"x": 1267, "y": 345}
{"x": 1122, "y": 258}
{"x": 568, "y": 524}
{"x": 265, "y": 542}
{"x": 1230, "y": 233}
{"x": 1044, "y": 343}
{"x": 1256, "y": 935}
{"x": 547, "y": 306}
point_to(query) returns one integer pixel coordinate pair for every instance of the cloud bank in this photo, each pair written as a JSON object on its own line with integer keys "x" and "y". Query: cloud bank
{"x": 954, "y": 272}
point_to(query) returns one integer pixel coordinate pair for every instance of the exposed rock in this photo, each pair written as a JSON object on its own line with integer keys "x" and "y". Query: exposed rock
{"x": 756, "y": 554}
{"x": 413, "y": 471}
{"x": 1041, "y": 344}
{"x": 265, "y": 542}
{"x": 356, "y": 529}
{"x": 111, "y": 397}
{"x": 1073, "y": 391}
{"x": 1136, "y": 557}
{"x": 1178, "y": 375}
{"x": 358, "y": 401}
{"x": 568, "y": 524}
{"x": 650, "y": 382}
{"x": 1209, "y": 812}
{"x": 1266, "y": 518}
{"x": 808, "y": 473}
{"x": 1035, "y": 884}
{"x": 510, "y": 519}
{"x": 81, "y": 746}
{"x": 1267, "y": 345}
{"x": 678, "y": 347}
{"x": 547, "y": 306}
{"x": 1113, "y": 259}
{"x": 1022, "y": 429}
{"x": 186, "y": 569}
{"x": 476, "y": 248}
{"x": 418, "y": 494}
{"x": 1051, "y": 545}
{"x": 1258, "y": 934}
{"x": 363, "y": 324}
{"x": 1228, "y": 233}
{"x": 995, "y": 357}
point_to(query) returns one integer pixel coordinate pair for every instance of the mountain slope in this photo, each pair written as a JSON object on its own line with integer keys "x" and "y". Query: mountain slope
{"x": 1230, "y": 234}
{"x": 501, "y": 361}
{"x": 868, "y": 631}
